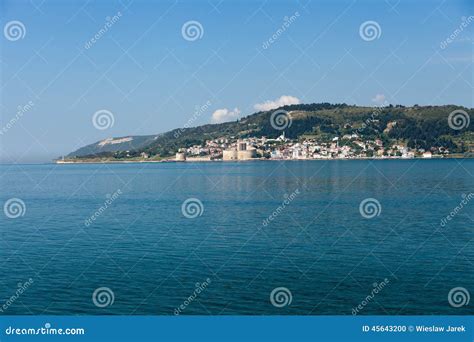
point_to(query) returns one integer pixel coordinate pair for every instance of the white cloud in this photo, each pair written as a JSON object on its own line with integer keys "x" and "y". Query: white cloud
{"x": 379, "y": 98}
{"x": 223, "y": 115}
{"x": 282, "y": 101}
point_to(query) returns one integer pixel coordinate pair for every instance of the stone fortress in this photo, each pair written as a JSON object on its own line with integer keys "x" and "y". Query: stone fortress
{"x": 242, "y": 152}
{"x": 239, "y": 152}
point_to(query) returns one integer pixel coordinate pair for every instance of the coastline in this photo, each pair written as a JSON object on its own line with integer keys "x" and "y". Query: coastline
{"x": 207, "y": 160}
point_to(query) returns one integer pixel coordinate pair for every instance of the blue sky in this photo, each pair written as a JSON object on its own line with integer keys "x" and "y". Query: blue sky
{"x": 144, "y": 72}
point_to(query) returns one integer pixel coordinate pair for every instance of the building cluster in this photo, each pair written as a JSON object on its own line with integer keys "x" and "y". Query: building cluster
{"x": 345, "y": 147}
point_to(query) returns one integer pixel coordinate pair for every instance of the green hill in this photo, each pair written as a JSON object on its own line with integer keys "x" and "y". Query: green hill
{"x": 418, "y": 126}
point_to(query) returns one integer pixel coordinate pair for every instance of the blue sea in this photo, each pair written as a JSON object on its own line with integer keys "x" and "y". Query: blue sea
{"x": 248, "y": 238}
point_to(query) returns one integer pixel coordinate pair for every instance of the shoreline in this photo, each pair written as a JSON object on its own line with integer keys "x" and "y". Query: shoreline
{"x": 69, "y": 162}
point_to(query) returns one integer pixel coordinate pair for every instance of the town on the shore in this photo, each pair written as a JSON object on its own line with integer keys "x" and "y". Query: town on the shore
{"x": 281, "y": 148}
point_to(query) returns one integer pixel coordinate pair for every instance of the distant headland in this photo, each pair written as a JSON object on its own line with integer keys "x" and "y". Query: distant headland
{"x": 302, "y": 132}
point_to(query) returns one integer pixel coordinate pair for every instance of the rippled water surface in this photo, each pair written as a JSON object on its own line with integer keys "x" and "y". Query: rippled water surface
{"x": 316, "y": 244}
